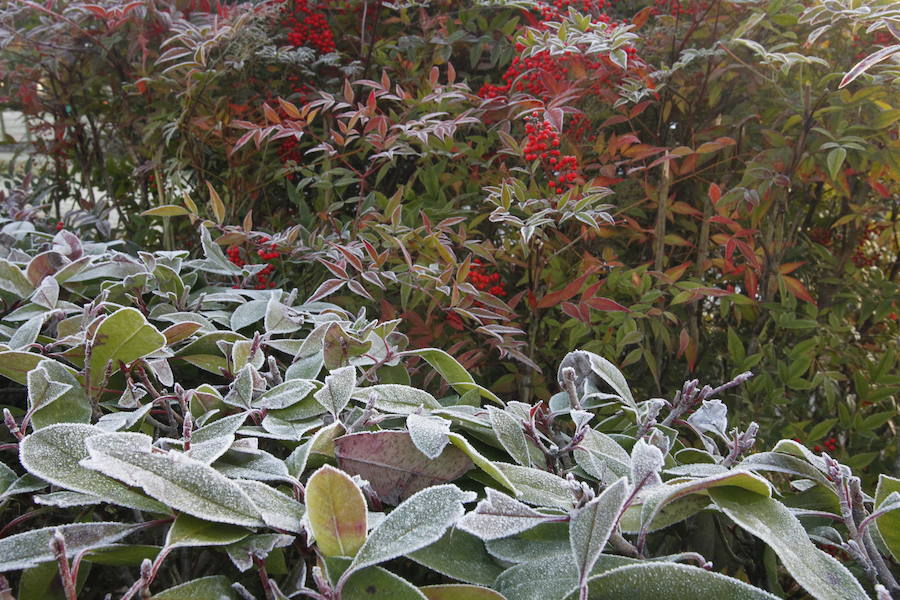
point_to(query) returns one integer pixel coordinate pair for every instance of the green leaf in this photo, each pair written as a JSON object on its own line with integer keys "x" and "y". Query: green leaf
{"x": 653, "y": 580}
{"x": 214, "y": 587}
{"x": 54, "y": 454}
{"x": 284, "y": 395}
{"x": 509, "y": 432}
{"x": 889, "y": 523}
{"x": 336, "y": 510}
{"x": 31, "y": 548}
{"x": 278, "y": 510}
{"x": 461, "y": 556}
{"x": 338, "y": 388}
{"x": 374, "y": 582}
{"x": 590, "y": 528}
{"x": 550, "y": 577}
{"x": 499, "y": 516}
{"x": 175, "y": 479}
{"x": 538, "y": 487}
{"x": 123, "y": 336}
{"x": 835, "y": 160}
{"x": 481, "y": 462}
{"x": 188, "y": 531}
{"x": 601, "y": 457}
{"x": 428, "y": 434}
{"x": 821, "y": 575}
{"x": 396, "y": 398}
{"x": 586, "y": 363}
{"x": 166, "y": 210}
{"x": 453, "y": 372}
{"x": 15, "y": 365}
{"x": 256, "y": 546}
{"x": 418, "y": 522}
{"x": 12, "y": 280}
{"x": 459, "y": 592}
{"x": 57, "y": 394}
{"x": 214, "y": 439}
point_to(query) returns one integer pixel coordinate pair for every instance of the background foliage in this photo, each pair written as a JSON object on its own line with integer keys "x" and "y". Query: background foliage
{"x": 680, "y": 187}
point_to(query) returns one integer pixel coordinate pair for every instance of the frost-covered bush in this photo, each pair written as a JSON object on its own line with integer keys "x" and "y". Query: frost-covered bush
{"x": 172, "y": 436}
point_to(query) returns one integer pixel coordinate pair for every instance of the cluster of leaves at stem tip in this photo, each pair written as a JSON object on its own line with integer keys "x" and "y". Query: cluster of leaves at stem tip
{"x": 182, "y": 438}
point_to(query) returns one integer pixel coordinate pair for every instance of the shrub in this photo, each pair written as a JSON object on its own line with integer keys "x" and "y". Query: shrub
{"x": 166, "y": 419}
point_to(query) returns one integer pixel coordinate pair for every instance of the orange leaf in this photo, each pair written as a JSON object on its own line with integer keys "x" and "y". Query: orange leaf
{"x": 714, "y": 193}
{"x": 797, "y": 289}
{"x": 567, "y": 292}
{"x": 641, "y": 17}
{"x": 790, "y": 267}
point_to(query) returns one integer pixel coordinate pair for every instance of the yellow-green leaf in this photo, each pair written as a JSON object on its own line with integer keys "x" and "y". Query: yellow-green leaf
{"x": 336, "y": 511}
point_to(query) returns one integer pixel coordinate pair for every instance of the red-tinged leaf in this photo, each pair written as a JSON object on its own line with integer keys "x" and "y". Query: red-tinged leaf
{"x": 357, "y": 288}
{"x": 372, "y": 277}
{"x": 691, "y": 354}
{"x": 180, "y": 331}
{"x": 798, "y": 289}
{"x": 868, "y": 62}
{"x": 641, "y": 17}
{"x": 714, "y": 193}
{"x": 351, "y": 258}
{"x": 567, "y": 292}
{"x": 605, "y": 304}
{"x": 725, "y": 141}
{"x": 336, "y": 511}
{"x": 681, "y": 151}
{"x": 684, "y": 338}
{"x": 290, "y": 109}
{"x": 709, "y": 147}
{"x": 327, "y": 288}
{"x": 371, "y": 102}
{"x": 879, "y": 187}
{"x": 393, "y": 465}
{"x": 790, "y": 267}
{"x": 577, "y": 311}
{"x": 242, "y": 141}
{"x": 336, "y": 269}
{"x": 614, "y": 120}
{"x": 270, "y": 113}
{"x": 348, "y": 91}
{"x": 708, "y": 291}
{"x": 751, "y": 282}
{"x": 683, "y": 208}
{"x": 675, "y": 273}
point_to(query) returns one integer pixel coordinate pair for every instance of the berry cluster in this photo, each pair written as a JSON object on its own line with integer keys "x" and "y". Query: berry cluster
{"x": 866, "y": 253}
{"x": 830, "y": 445}
{"x": 308, "y": 27}
{"x": 266, "y": 252}
{"x": 543, "y": 145}
{"x": 484, "y": 281}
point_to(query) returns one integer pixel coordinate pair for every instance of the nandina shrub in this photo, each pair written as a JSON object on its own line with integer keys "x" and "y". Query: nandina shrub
{"x": 172, "y": 436}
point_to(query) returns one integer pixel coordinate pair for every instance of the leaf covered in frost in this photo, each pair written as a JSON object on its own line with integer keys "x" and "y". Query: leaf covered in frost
{"x": 429, "y": 434}
{"x": 590, "y": 528}
{"x": 338, "y": 388}
{"x": 25, "y": 550}
{"x": 499, "y": 516}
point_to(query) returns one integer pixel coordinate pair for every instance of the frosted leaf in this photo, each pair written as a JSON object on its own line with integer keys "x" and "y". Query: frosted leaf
{"x": 590, "y": 528}
{"x": 646, "y": 462}
{"x": 601, "y": 457}
{"x": 538, "y": 487}
{"x": 821, "y": 575}
{"x": 256, "y": 546}
{"x": 53, "y": 454}
{"x": 124, "y": 336}
{"x": 67, "y": 499}
{"x": 187, "y": 531}
{"x": 125, "y": 419}
{"x": 25, "y": 484}
{"x": 397, "y": 399}
{"x": 25, "y": 550}
{"x": 711, "y": 417}
{"x": 281, "y": 429}
{"x": 429, "y": 434}
{"x": 286, "y": 394}
{"x": 339, "y": 386}
{"x": 336, "y": 512}
{"x": 278, "y": 510}
{"x": 212, "y": 441}
{"x": 27, "y": 333}
{"x": 248, "y": 314}
{"x": 499, "y": 516}
{"x": 653, "y": 580}
{"x": 240, "y": 394}
{"x": 581, "y": 418}
{"x": 589, "y": 366}
{"x": 419, "y": 521}
{"x": 63, "y": 401}
{"x": 459, "y": 555}
{"x": 240, "y": 355}
{"x": 250, "y": 463}
{"x": 7, "y": 476}
{"x": 508, "y": 430}
{"x": 214, "y": 587}
{"x": 393, "y": 465}
{"x": 538, "y": 542}
{"x": 175, "y": 479}
{"x": 375, "y": 582}
{"x": 551, "y": 577}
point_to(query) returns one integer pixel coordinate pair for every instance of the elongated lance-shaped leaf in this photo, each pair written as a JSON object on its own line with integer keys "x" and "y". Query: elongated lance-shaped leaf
{"x": 499, "y": 516}
{"x": 587, "y": 364}
{"x": 188, "y": 531}
{"x": 654, "y": 580}
{"x": 590, "y": 528}
{"x": 175, "y": 479}
{"x": 454, "y": 373}
{"x": 821, "y": 575}
{"x": 25, "y": 550}
{"x": 397, "y": 398}
{"x": 460, "y": 592}
{"x": 336, "y": 510}
{"x": 461, "y": 556}
{"x": 510, "y": 434}
{"x": 889, "y": 523}
{"x": 54, "y": 453}
{"x": 419, "y": 521}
